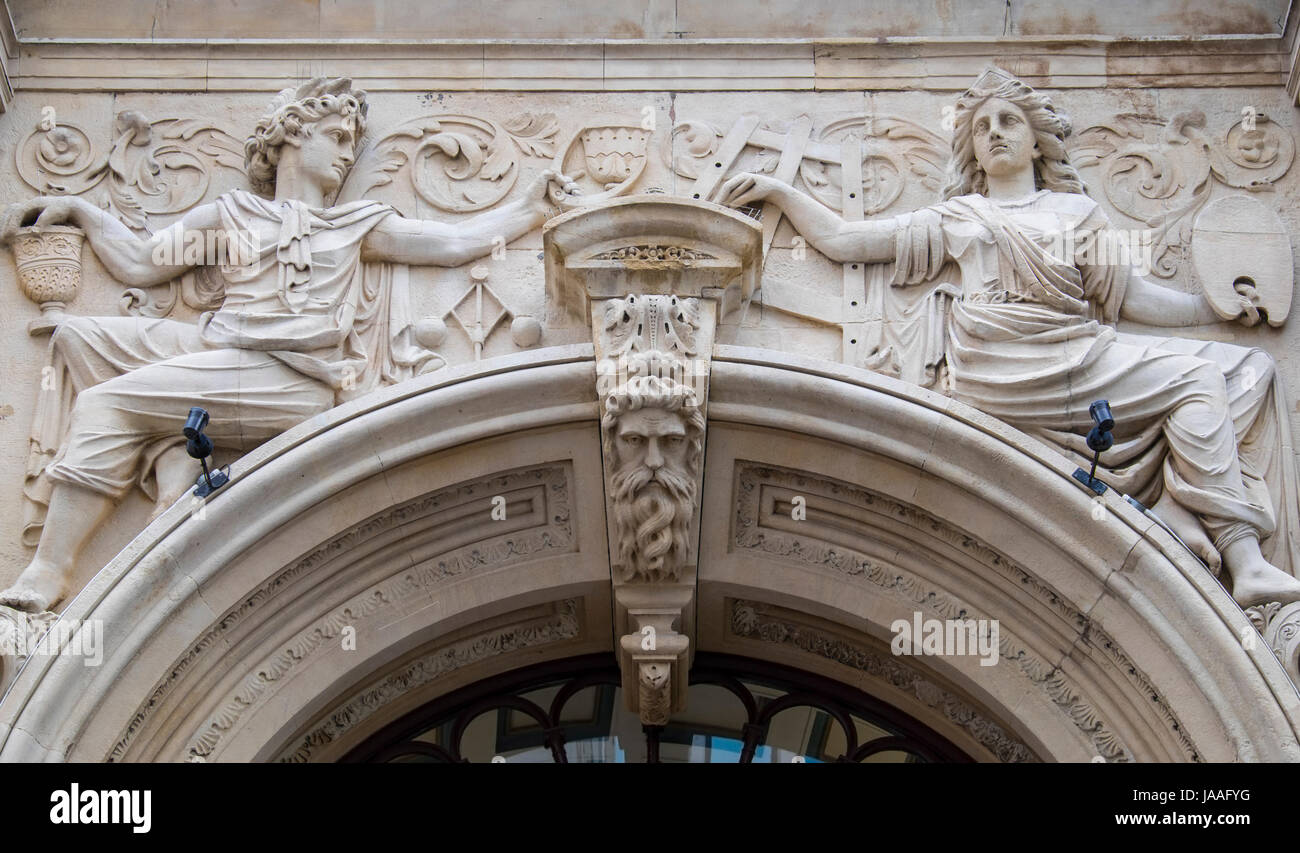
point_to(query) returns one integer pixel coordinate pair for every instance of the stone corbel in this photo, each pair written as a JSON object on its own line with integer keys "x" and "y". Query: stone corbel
{"x": 652, "y": 275}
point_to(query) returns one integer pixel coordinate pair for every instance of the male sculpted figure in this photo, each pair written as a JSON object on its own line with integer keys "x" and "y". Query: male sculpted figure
{"x": 309, "y": 316}
{"x": 1031, "y": 341}
{"x": 654, "y": 429}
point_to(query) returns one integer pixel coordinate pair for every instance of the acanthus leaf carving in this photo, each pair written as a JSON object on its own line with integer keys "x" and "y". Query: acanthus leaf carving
{"x": 1159, "y": 171}
{"x": 155, "y": 167}
{"x": 457, "y": 163}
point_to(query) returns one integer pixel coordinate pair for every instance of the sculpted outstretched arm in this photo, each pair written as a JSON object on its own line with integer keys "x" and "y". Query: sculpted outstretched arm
{"x": 425, "y": 242}
{"x": 1149, "y": 303}
{"x": 141, "y": 262}
{"x": 841, "y": 241}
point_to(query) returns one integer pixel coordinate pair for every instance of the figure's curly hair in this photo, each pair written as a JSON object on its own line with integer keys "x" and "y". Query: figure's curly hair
{"x": 293, "y": 112}
{"x": 1052, "y": 170}
{"x": 649, "y": 388}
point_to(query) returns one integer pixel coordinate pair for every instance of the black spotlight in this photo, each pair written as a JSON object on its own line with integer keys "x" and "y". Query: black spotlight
{"x": 1099, "y": 439}
{"x": 200, "y": 447}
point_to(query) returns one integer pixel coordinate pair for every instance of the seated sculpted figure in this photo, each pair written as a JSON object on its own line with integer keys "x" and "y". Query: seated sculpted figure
{"x": 1029, "y": 337}
{"x": 311, "y": 315}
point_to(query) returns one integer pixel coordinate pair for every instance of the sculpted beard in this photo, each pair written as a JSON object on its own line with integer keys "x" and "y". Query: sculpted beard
{"x": 652, "y": 532}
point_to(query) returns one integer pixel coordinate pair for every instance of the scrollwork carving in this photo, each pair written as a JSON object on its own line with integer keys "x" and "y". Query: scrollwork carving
{"x": 1158, "y": 171}
{"x": 1153, "y": 170}
{"x": 457, "y": 163}
{"x": 689, "y": 142}
{"x": 153, "y": 167}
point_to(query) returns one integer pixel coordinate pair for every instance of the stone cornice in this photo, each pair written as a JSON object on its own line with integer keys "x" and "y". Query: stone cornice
{"x": 901, "y": 63}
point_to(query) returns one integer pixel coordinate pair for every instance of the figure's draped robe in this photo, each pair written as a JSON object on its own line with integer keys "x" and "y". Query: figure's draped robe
{"x": 987, "y": 304}
{"x": 304, "y": 324}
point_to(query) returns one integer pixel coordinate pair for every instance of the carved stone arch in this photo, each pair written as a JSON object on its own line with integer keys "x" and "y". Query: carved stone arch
{"x": 226, "y": 632}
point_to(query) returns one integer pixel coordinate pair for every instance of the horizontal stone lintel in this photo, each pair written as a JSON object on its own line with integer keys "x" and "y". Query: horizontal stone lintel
{"x": 929, "y": 64}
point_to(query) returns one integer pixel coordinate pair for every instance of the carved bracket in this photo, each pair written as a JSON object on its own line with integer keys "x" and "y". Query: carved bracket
{"x": 652, "y": 275}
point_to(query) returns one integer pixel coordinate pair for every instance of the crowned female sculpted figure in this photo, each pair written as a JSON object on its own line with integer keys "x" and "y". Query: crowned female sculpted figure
{"x": 1030, "y": 340}
{"x": 311, "y": 315}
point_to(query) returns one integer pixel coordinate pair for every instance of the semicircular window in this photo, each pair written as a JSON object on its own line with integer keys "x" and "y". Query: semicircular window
{"x": 737, "y": 710}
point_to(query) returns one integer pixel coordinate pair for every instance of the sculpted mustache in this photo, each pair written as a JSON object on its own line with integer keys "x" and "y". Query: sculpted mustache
{"x": 631, "y": 480}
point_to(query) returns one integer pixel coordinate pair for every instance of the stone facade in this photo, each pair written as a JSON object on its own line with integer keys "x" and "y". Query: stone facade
{"x": 642, "y": 323}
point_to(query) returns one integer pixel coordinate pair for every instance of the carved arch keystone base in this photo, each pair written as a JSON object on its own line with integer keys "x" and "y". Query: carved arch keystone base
{"x": 653, "y": 275}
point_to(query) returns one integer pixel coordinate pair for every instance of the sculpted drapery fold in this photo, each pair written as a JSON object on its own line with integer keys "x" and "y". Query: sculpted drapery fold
{"x": 982, "y": 305}
{"x": 306, "y": 299}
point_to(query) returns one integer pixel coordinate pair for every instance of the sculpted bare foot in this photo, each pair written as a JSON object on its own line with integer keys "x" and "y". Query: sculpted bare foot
{"x": 37, "y": 589}
{"x": 1262, "y": 583}
{"x": 1189, "y": 529}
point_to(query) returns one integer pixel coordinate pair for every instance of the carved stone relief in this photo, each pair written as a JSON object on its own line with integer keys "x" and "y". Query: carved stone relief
{"x": 562, "y": 622}
{"x": 20, "y": 635}
{"x": 758, "y": 526}
{"x": 651, "y": 276}
{"x": 546, "y": 528}
{"x": 457, "y": 163}
{"x": 1157, "y": 170}
{"x": 766, "y": 623}
{"x": 322, "y": 285}
{"x": 1280, "y": 627}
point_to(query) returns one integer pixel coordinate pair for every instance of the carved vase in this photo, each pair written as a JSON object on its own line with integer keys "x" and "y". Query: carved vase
{"x": 49, "y": 270}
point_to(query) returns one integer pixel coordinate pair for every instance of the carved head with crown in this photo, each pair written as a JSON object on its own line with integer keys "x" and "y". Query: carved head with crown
{"x": 999, "y": 123}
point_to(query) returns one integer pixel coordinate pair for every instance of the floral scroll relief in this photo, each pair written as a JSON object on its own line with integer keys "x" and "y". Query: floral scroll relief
{"x": 1158, "y": 171}
{"x": 152, "y": 168}
{"x": 457, "y": 163}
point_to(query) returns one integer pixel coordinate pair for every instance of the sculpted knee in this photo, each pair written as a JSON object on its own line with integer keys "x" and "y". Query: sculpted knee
{"x": 71, "y": 331}
{"x": 1257, "y": 369}
{"x": 1211, "y": 385}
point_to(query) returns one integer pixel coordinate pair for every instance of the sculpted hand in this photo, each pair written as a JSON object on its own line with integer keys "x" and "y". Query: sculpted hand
{"x": 42, "y": 210}
{"x": 744, "y": 189}
{"x": 551, "y": 188}
{"x": 1246, "y": 295}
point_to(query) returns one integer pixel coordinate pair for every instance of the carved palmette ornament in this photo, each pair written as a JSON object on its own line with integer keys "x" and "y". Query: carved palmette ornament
{"x": 651, "y": 323}
{"x": 1240, "y": 250}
